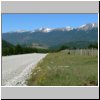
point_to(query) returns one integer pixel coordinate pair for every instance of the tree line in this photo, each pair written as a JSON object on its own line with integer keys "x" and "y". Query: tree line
{"x": 18, "y": 49}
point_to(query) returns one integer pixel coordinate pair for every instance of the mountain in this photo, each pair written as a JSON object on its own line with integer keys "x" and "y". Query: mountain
{"x": 88, "y": 26}
{"x": 50, "y": 37}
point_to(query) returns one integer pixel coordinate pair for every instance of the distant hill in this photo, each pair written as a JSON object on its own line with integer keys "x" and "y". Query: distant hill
{"x": 6, "y": 44}
{"x": 50, "y": 38}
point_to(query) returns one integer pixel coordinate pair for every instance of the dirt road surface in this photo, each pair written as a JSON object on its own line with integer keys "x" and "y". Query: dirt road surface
{"x": 17, "y": 68}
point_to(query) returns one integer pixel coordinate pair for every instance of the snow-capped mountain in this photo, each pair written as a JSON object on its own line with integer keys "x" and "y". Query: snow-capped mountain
{"x": 88, "y": 26}
{"x": 68, "y": 28}
{"x": 42, "y": 29}
{"x": 54, "y": 36}
{"x": 84, "y": 27}
{"x": 46, "y": 30}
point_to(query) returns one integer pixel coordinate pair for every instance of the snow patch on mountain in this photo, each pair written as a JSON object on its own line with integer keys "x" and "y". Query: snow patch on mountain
{"x": 88, "y": 26}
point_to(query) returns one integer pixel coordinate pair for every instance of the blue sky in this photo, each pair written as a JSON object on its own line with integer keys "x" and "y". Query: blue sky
{"x": 13, "y": 22}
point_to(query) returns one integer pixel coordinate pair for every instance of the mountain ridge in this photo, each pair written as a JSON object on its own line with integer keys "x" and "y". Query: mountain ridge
{"x": 59, "y": 36}
{"x": 67, "y": 28}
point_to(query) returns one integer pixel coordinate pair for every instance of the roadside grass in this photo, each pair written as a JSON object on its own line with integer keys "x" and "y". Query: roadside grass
{"x": 61, "y": 69}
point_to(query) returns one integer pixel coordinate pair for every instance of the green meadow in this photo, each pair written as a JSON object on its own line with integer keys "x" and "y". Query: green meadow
{"x": 65, "y": 69}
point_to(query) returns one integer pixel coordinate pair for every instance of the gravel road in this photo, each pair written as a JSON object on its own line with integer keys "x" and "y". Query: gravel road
{"x": 17, "y": 68}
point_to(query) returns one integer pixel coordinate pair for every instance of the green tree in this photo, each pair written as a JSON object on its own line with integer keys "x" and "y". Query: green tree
{"x": 93, "y": 46}
{"x": 18, "y": 49}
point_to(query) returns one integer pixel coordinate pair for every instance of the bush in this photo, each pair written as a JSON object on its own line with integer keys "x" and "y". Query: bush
{"x": 93, "y": 46}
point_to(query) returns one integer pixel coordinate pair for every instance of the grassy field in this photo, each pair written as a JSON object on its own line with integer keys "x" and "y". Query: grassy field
{"x": 63, "y": 69}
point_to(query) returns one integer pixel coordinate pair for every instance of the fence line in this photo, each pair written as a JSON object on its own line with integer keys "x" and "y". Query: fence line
{"x": 89, "y": 52}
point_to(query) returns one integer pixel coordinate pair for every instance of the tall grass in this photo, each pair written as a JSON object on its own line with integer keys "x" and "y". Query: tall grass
{"x": 64, "y": 69}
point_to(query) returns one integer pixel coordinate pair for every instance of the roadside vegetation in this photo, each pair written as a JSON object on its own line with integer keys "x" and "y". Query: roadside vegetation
{"x": 18, "y": 49}
{"x": 66, "y": 69}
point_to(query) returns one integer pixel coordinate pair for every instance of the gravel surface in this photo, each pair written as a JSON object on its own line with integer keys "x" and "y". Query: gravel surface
{"x": 17, "y": 68}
